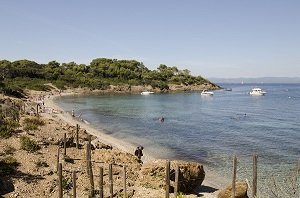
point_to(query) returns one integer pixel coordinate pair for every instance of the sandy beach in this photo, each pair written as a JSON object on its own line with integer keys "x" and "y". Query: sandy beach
{"x": 212, "y": 179}
{"x": 106, "y": 139}
{"x": 41, "y": 181}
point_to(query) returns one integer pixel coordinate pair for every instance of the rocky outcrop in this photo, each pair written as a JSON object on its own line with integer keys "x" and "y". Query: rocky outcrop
{"x": 191, "y": 175}
{"x": 240, "y": 192}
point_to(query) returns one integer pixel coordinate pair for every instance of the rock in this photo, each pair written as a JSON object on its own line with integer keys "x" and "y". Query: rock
{"x": 99, "y": 145}
{"x": 240, "y": 192}
{"x": 69, "y": 141}
{"x": 191, "y": 175}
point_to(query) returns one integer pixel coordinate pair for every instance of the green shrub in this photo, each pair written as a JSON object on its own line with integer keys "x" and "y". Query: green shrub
{"x": 60, "y": 84}
{"x": 35, "y": 121}
{"x": 5, "y": 131}
{"x": 66, "y": 183}
{"x": 31, "y": 124}
{"x": 29, "y": 145}
{"x": 30, "y": 127}
{"x": 20, "y": 83}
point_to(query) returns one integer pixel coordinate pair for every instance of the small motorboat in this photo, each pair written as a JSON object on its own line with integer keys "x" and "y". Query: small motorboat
{"x": 147, "y": 93}
{"x": 257, "y": 92}
{"x": 207, "y": 93}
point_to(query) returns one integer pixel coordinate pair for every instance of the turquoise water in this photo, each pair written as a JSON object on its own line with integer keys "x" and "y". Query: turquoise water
{"x": 207, "y": 129}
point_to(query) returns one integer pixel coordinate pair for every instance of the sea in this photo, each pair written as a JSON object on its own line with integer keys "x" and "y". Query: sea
{"x": 207, "y": 129}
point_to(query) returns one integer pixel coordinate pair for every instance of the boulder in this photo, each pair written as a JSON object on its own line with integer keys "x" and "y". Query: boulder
{"x": 240, "y": 192}
{"x": 191, "y": 175}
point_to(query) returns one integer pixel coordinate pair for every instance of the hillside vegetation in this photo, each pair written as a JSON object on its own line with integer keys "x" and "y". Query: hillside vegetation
{"x": 99, "y": 74}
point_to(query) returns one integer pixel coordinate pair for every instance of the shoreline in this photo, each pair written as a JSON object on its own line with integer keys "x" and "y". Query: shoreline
{"x": 104, "y": 138}
{"x": 212, "y": 178}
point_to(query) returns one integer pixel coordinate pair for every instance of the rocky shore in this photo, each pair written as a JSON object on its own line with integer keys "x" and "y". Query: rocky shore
{"x": 35, "y": 172}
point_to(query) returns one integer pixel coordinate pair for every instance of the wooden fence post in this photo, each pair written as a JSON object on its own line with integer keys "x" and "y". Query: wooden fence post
{"x": 77, "y": 139}
{"x": 87, "y": 159}
{"x": 37, "y": 110}
{"x": 101, "y": 182}
{"x": 88, "y": 154}
{"x": 124, "y": 181}
{"x": 168, "y": 179}
{"x": 57, "y": 160}
{"x": 254, "y": 190}
{"x": 111, "y": 181}
{"x": 92, "y": 193}
{"x": 234, "y": 176}
{"x": 176, "y": 181}
{"x": 60, "y": 187}
{"x": 74, "y": 184}
{"x": 65, "y": 144}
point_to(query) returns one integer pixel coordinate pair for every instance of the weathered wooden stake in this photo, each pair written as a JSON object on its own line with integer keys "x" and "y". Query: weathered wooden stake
{"x": 92, "y": 188}
{"x": 74, "y": 184}
{"x": 77, "y": 139}
{"x": 87, "y": 159}
{"x": 37, "y": 110}
{"x": 89, "y": 143}
{"x": 124, "y": 181}
{"x": 176, "y": 181}
{"x": 57, "y": 160}
{"x": 234, "y": 176}
{"x": 60, "y": 188}
{"x": 101, "y": 182}
{"x": 111, "y": 190}
{"x": 254, "y": 192}
{"x": 168, "y": 179}
{"x": 65, "y": 144}
{"x": 88, "y": 154}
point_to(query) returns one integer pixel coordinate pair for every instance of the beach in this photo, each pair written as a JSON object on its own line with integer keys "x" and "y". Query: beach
{"x": 41, "y": 181}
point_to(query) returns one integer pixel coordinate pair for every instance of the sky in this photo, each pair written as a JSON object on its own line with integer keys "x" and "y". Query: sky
{"x": 211, "y": 38}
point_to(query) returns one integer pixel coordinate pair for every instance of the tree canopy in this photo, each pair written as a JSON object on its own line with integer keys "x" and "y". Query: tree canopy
{"x": 100, "y": 73}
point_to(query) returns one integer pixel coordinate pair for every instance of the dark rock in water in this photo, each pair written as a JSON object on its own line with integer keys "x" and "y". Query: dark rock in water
{"x": 191, "y": 175}
{"x": 6, "y": 186}
{"x": 240, "y": 191}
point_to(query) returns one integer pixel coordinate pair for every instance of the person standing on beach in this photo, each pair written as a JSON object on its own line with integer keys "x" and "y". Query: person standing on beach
{"x": 139, "y": 152}
{"x": 73, "y": 114}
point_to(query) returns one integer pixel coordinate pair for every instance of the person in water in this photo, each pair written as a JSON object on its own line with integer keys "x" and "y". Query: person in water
{"x": 139, "y": 152}
{"x": 162, "y": 119}
{"x": 73, "y": 114}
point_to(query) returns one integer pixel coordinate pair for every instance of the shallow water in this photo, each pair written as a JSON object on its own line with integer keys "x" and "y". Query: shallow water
{"x": 203, "y": 128}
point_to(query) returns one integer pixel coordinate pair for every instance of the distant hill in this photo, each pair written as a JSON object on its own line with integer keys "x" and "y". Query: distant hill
{"x": 257, "y": 80}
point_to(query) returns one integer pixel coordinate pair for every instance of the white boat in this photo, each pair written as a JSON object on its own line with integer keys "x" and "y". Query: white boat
{"x": 207, "y": 93}
{"x": 147, "y": 93}
{"x": 257, "y": 92}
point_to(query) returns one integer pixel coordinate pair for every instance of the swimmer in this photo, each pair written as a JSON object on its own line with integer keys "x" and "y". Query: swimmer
{"x": 162, "y": 119}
